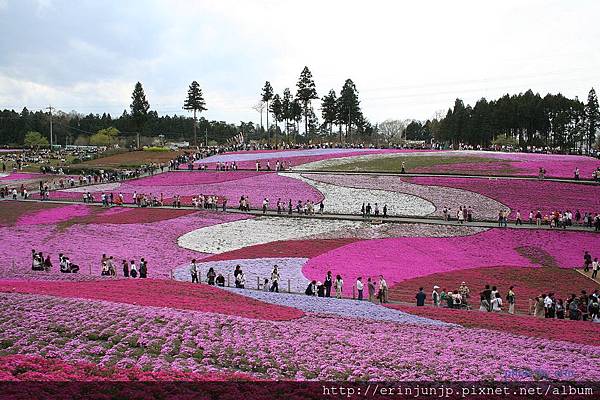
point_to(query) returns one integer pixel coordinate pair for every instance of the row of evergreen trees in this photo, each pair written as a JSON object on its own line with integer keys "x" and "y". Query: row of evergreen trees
{"x": 553, "y": 121}
{"x": 343, "y": 111}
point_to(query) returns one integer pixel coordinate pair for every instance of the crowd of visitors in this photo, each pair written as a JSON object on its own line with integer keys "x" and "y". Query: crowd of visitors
{"x": 367, "y": 210}
{"x": 39, "y": 263}
{"x": 462, "y": 215}
{"x": 578, "y": 308}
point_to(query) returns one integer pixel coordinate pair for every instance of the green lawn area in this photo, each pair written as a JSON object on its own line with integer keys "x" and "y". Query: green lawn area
{"x": 413, "y": 163}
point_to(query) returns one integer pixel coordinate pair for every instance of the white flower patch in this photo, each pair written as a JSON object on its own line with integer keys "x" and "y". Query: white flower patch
{"x": 452, "y": 198}
{"x": 230, "y": 236}
{"x": 335, "y": 162}
{"x": 256, "y": 270}
{"x": 4, "y": 174}
{"x": 347, "y": 200}
{"x": 103, "y": 187}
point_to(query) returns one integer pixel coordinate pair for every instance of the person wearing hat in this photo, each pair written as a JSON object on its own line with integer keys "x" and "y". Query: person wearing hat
{"x": 435, "y": 296}
{"x": 465, "y": 293}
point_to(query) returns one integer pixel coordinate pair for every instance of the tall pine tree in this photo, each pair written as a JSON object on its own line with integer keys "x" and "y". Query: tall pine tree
{"x": 139, "y": 107}
{"x": 592, "y": 119}
{"x": 306, "y": 92}
{"x": 194, "y": 102}
{"x": 277, "y": 110}
{"x": 267, "y": 95}
{"x": 349, "y": 106}
{"x": 329, "y": 110}
{"x": 286, "y": 105}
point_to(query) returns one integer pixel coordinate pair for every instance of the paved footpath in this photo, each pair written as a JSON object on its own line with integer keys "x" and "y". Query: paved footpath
{"x": 345, "y": 217}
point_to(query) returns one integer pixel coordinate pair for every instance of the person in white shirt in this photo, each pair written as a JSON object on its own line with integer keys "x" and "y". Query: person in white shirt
{"x": 383, "y": 290}
{"x": 497, "y": 303}
{"x": 435, "y": 296}
{"x": 359, "y": 287}
{"x": 339, "y": 285}
{"x": 595, "y": 268}
{"x": 548, "y": 306}
{"x": 194, "y": 271}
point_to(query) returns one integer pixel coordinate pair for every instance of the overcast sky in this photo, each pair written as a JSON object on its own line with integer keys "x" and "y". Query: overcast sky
{"x": 408, "y": 59}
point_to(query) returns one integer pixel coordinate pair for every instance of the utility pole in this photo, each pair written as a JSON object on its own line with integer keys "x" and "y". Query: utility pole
{"x": 50, "y": 108}
{"x": 206, "y": 136}
{"x": 138, "y": 140}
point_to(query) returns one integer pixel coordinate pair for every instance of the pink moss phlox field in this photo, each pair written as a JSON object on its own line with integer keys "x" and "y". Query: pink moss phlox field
{"x": 247, "y": 160}
{"x": 54, "y": 215}
{"x": 554, "y": 329}
{"x": 164, "y": 293}
{"x": 528, "y": 282}
{"x": 159, "y": 339}
{"x": 85, "y": 243}
{"x": 256, "y": 186}
{"x": 21, "y": 176}
{"x": 194, "y": 178}
{"x": 524, "y": 164}
{"x": 525, "y": 195}
{"x": 405, "y": 258}
{"x": 34, "y": 368}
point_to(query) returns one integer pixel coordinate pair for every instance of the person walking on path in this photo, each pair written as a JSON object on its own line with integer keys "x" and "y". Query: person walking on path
{"x": 328, "y": 283}
{"x": 275, "y": 279}
{"x": 510, "y": 299}
{"x": 125, "y": 269}
{"x": 371, "y": 289}
{"x": 587, "y": 261}
{"x": 383, "y": 290}
{"x": 210, "y": 276}
{"x": 194, "y": 271}
{"x": 435, "y": 296}
{"x": 339, "y": 285}
{"x": 595, "y": 268}
{"x": 420, "y": 296}
{"x": 359, "y": 287}
{"x": 143, "y": 268}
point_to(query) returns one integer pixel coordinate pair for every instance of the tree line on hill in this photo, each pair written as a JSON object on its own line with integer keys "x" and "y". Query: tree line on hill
{"x": 522, "y": 120}
{"x": 32, "y": 128}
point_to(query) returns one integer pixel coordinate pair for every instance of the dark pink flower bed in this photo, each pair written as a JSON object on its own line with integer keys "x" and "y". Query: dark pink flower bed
{"x": 192, "y": 178}
{"x": 581, "y": 332}
{"x": 281, "y": 249}
{"x": 34, "y": 368}
{"x": 528, "y": 283}
{"x": 21, "y": 176}
{"x": 403, "y": 258}
{"x": 187, "y": 184}
{"x": 159, "y": 293}
{"x": 525, "y": 195}
{"x": 526, "y": 164}
{"x": 121, "y": 215}
{"x": 248, "y": 162}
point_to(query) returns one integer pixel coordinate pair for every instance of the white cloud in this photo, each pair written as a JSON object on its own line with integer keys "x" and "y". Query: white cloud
{"x": 408, "y": 59}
